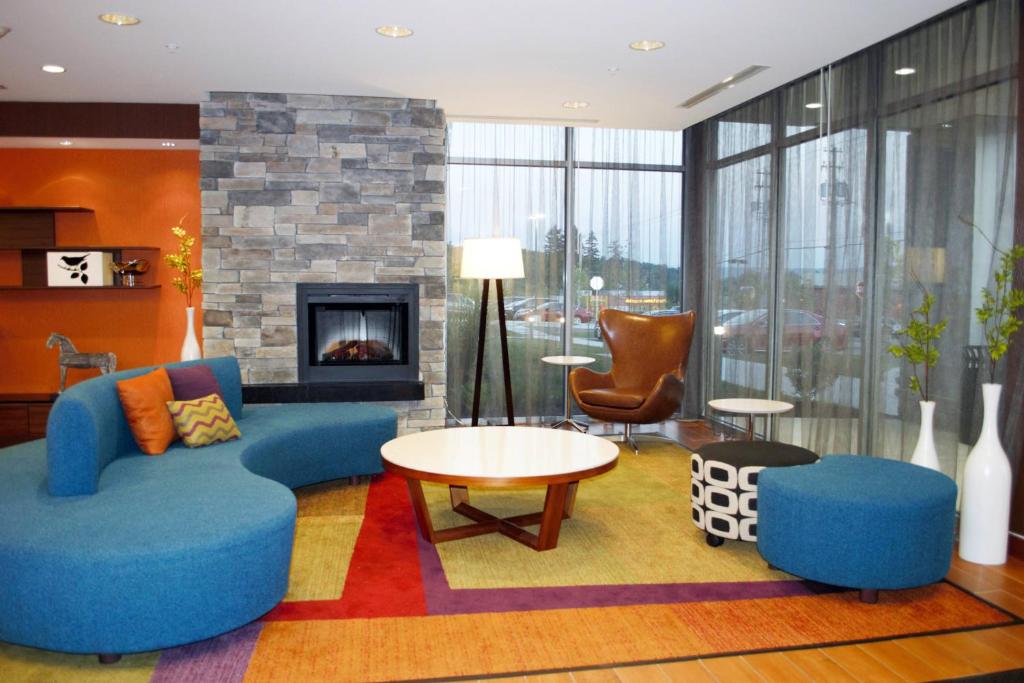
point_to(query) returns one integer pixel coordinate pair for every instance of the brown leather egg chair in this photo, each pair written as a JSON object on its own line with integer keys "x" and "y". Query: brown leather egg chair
{"x": 645, "y": 385}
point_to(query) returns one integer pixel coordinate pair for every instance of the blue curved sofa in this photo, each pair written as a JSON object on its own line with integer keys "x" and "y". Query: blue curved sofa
{"x": 106, "y": 550}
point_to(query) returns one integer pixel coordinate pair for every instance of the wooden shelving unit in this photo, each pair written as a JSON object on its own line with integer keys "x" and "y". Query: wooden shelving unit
{"x": 31, "y": 230}
{"x": 32, "y": 226}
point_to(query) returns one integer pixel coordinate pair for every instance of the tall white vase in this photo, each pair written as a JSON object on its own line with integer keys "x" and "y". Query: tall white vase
{"x": 190, "y": 347}
{"x": 985, "y": 504}
{"x": 925, "y": 454}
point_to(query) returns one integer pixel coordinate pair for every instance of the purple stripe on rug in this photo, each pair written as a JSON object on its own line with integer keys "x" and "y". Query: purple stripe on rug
{"x": 223, "y": 659}
{"x": 442, "y": 599}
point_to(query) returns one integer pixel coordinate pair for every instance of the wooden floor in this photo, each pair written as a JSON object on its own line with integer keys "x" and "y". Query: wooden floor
{"x": 692, "y": 434}
{"x": 925, "y": 658}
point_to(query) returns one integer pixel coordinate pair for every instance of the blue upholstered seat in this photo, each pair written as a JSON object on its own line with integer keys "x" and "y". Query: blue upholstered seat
{"x": 168, "y": 549}
{"x": 857, "y": 521}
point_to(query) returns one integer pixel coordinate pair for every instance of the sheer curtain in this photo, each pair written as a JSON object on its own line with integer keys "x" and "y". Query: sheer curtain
{"x": 510, "y": 180}
{"x": 506, "y": 180}
{"x": 741, "y": 202}
{"x": 628, "y": 191}
{"x": 874, "y": 167}
{"x": 947, "y": 136}
{"x": 824, "y": 239}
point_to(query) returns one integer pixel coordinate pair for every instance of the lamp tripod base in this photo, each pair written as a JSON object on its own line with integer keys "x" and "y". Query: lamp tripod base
{"x": 503, "y": 338}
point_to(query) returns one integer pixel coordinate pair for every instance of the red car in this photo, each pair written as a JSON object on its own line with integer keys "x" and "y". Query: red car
{"x": 748, "y": 331}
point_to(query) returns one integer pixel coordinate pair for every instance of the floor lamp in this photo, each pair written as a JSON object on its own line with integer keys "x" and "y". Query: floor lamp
{"x": 492, "y": 258}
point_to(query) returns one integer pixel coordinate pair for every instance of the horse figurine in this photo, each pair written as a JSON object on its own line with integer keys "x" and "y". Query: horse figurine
{"x": 71, "y": 358}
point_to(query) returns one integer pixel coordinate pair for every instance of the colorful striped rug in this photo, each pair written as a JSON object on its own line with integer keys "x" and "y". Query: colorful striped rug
{"x": 631, "y": 581}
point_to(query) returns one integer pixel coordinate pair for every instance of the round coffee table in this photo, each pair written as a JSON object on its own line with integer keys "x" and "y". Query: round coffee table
{"x": 496, "y": 457}
{"x": 750, "y": 407}
{"x": 568, "y": 362}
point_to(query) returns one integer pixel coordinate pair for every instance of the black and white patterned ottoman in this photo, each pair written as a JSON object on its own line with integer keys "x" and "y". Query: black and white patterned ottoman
{"x": 723, "y": 487}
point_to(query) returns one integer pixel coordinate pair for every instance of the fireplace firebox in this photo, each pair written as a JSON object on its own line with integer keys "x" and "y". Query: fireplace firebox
{"x": 358, "y": 332}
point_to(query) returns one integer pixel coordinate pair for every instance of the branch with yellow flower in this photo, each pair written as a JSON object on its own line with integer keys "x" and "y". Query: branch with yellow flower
{"x": 187, "y": 281}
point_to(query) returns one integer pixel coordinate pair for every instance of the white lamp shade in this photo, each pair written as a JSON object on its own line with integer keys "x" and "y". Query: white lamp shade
{"x": 492, "y": 258}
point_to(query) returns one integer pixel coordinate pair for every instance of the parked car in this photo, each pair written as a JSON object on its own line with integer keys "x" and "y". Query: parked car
{"x": 512, "y": 303}
{"x": 749, "y": 331}
{"x": 528, "y": 306}
{"x": 665, "y": 311}
{"x": 727, "y": 314}
{"x": 553, "y": 311}
{"x": 524, "y": 307}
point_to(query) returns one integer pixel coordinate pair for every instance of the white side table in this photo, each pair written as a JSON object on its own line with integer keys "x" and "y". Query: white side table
{"x": 751, "y": 407}
{"x": 567, "y": 362}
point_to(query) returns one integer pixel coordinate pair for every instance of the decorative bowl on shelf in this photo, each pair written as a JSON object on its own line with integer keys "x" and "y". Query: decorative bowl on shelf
{"x": 127, "y": 270}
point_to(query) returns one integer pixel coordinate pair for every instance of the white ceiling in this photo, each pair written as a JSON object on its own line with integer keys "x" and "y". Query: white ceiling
{"x": 477, "y": 58}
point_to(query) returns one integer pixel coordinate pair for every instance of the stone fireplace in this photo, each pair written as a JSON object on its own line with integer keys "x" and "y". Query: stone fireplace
{"x": 302, "y": 192}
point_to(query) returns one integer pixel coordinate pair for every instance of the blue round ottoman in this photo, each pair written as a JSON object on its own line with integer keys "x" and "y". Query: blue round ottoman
{"x": 857, "y": 521}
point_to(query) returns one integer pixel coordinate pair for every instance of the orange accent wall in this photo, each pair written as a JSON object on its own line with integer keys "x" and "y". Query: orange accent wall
{"x": 137, "y": 196}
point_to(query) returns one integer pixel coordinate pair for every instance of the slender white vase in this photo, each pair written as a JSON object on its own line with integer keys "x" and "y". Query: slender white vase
{"x": 190, "y": 347}
{"x": 985, "y": 503}
{"x": 925, "y": 454}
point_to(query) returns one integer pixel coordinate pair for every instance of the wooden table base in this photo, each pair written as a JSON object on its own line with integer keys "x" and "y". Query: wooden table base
{"x": 558, "y": 505}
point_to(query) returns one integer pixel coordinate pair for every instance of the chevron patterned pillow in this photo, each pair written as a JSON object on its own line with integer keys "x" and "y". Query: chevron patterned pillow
{"x": 203, "y": 421}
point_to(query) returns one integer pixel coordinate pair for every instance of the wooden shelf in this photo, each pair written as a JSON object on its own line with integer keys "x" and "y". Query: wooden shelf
{"x": 61, "y": 247}
{"x": 45, "y": 209}
{"x": 82, "y": 288}
{"x": 32, "y": 226}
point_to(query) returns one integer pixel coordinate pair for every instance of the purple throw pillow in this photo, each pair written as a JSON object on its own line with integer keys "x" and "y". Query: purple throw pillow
{"x": 192, "y": 382}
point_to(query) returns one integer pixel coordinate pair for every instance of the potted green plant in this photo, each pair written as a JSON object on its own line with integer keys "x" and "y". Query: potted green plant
{"x": 985, "y": 505}
{"x": 187, "y": 281}
{"x": 919, "y": 346}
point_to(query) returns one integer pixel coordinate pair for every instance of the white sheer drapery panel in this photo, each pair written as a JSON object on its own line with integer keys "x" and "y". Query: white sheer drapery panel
{"x": 740, "y": 205}
{"x": 871, "y": 175}
{"x": 505, "y": 187}
{"x": 948, "y": 140}
{"x": 510, "y": 180}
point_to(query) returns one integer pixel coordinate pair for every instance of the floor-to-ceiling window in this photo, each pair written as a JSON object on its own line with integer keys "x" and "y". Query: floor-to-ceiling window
{"x": 833, "y": 203}
{"x": 599, "y": 215}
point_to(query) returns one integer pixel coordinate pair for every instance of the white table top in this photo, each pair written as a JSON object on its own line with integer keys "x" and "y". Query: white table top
{"x": 568, "y": 360}
{"x": 499, "y": 452}
{"x": 750, "y": 406}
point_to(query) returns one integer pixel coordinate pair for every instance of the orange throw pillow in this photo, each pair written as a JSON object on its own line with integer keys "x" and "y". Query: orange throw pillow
{"x": 144, "y": 400}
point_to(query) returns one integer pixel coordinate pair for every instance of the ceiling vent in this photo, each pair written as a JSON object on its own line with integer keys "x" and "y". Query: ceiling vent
{"x": 544, "y": 120}
{"x": 724, "y": 84}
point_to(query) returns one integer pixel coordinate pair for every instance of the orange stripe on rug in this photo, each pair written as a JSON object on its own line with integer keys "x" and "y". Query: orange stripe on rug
{"x": 513, "y": 642}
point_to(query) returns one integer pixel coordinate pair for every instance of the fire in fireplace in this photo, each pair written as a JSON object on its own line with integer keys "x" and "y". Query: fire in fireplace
{"x": 357, "y": 332}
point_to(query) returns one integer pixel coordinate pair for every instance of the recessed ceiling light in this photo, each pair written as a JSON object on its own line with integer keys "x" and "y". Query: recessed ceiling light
{"x": 65, "y": 143}
{"x": 813, "y": 105}
{"x": 53, "y": 69}
{"x": 613, "y": 70}
{"x": 119, "y": 19}
{"x": 905, "y": 71}
{"x": 172, "y": 47}
{"x": 394, "y": 31}
{"x": 4, "y": 31}
{"x": 946, "y": 125}
{"x": 167, "y": 144}
{"x": 576, "y": 104}
{"x": 647, "y": 45}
